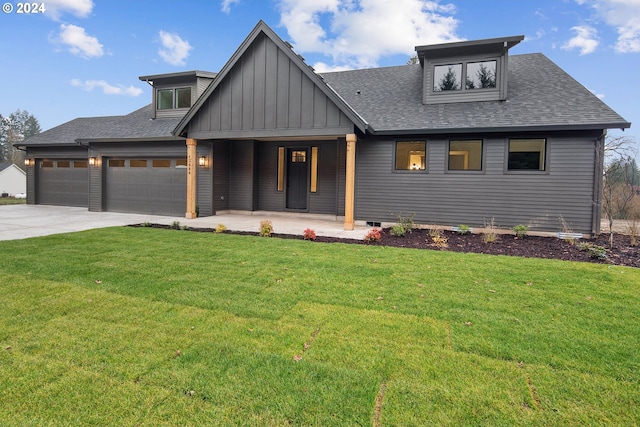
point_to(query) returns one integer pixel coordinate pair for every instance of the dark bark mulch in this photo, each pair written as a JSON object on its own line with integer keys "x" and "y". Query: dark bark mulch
{"x": 622, "y": 252}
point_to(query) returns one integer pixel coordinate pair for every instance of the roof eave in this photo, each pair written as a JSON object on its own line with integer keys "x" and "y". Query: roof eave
{"x": 143, "y": 139}
{"x": 503, "y": 129}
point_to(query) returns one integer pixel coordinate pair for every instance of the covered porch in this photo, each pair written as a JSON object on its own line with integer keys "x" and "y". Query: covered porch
{"x": 313, "y": 176}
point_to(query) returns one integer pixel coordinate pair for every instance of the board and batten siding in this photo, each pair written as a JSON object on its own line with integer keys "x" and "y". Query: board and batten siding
{"x": 266, "y": 94}
{"x": 540, "y": 200}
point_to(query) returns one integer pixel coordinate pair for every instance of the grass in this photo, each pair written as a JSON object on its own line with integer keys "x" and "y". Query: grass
{"x": 140, "y": 326}
{"x": 12, "y": 201}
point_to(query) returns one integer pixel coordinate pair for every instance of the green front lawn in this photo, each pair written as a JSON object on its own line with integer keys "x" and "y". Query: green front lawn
{"x": 147, "y": 327}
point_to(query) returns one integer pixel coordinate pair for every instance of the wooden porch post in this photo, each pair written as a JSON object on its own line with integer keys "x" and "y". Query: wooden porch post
{"x": 350, "y": 182}
{"x": 192, "y": 167}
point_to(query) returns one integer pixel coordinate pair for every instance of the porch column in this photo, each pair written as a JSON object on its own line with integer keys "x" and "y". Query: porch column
{"x": 349, "y": 198}
{"x": 192, "y": 167}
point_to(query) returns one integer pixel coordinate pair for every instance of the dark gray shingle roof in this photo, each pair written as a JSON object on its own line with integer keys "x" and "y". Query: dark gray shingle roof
{"x": 540, "y": 96}
{"x": 136, "y": 125}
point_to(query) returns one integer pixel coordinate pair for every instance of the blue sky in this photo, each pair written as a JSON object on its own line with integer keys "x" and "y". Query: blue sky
{"x": 82, "y": 58}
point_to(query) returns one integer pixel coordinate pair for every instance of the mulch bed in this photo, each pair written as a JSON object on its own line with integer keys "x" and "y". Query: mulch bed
{"x": 622, "y": 252}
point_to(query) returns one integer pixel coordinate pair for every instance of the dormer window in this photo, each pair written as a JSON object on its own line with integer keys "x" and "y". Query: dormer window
{"x": 481, "y": 75}
{"x": 171, "y": 99}
{"x": 468, "y": 71}
{"x": 478, "y": 75}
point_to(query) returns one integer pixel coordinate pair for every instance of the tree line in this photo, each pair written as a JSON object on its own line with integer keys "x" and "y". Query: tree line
{"x": 15, "y": 128}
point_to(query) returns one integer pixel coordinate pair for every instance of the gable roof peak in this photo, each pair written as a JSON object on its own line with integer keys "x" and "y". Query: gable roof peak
{"x": 262, "y": 28}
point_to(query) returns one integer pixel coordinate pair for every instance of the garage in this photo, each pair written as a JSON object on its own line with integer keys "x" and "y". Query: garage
{"x": 62, "y": 182}
{"x": 155, "y": 186}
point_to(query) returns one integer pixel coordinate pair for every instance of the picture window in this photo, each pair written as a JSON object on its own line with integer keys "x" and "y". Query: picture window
{"x": 411, "y": 155}
{"x": 527, "y": 154}
{"x": 465, "y": 155}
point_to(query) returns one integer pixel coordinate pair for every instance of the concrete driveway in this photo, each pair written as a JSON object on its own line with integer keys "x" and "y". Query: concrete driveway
{"x": 24, "y": 221}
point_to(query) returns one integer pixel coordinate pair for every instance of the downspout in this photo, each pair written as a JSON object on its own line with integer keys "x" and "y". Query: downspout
{"x": 598, "y": 173}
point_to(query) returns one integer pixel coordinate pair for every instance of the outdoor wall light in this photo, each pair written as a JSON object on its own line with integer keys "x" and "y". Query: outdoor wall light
{"x": 28, "y": 162}
{"x": 202, "y": 161}
{"x": 92, "y": 161}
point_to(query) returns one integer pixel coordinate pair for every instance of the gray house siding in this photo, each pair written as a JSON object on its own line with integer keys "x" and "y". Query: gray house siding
{"x": 265, "y": 94}
{"x": 205, "y": 175}
{"x": 241, "y": 175}
{"x": 220, "y": 186}
{"x": 324, "y": 200}
{"x": 269, "y": 198}
{"x": 437, "y": 196}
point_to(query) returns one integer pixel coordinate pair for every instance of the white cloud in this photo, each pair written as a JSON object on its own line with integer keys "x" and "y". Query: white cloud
{"x": 586, "y": 39}
{"x": 107, "y": 89}
{"x": 79, "y": 42}
{"x": 226, "y": 5}
{"x": 624, "y": 15}
{"x": 174, "y": 50}
{"x": 343, "y": 29}
{"x": 79, "y": 8}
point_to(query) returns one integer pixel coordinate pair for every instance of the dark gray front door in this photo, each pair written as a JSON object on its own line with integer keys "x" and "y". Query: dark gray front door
{"x": 297, "y": 173}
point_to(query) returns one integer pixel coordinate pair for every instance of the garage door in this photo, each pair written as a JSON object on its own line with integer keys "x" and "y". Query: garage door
{"x": 62, "y": 183}
{"x": 152, "y": 186}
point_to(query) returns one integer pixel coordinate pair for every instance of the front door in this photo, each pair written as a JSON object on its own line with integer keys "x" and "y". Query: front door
{"x": 297, "y": 173}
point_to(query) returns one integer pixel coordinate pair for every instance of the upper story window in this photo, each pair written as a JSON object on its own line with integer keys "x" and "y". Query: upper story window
{"x": 447, "y": 77}
{"x": 467, "y": 71}
{"x": 481, "y": 75}
{"x": 477, "y": 75}
{"x": 170, "y": 99}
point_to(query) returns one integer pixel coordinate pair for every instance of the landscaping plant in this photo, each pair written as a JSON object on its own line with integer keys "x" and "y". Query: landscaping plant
{"x": 266, "y": 228}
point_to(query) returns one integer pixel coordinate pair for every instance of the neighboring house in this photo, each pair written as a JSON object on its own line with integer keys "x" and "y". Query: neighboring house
{"x": 467, "y": 135}
{"x": 13, "y": 180}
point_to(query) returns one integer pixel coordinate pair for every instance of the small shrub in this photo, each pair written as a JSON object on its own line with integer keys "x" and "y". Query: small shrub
{"x": 374, "y": 235}
{"x": 406, "y": 222}
{"x": 490, "y": 235}
{"x": 521, "y": 231}
{"x": 175, "y": 225}
{"x": 434, "y": 231}
{"x": 595, "y": 251}
{"x": 398, "y": 230}
{"x": 598, "y": 252}
{"x": 464, "y": 229}
{"x": 221, "y": 228}
{"x": 266, "y": 228}
{"x": 147, "y": 224}
{"x": 440, "y": 241}
{"x": 584, "y": 246}
{"x": 309, "y": 234}
{"x": 184, "y": 228}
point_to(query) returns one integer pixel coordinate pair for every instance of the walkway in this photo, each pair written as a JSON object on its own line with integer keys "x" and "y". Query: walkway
{"x": 24, "y": 221}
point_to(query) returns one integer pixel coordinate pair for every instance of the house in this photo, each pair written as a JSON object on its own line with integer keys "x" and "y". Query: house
{"x": 13, "y": 180}
{"x": 466, "y": 135}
